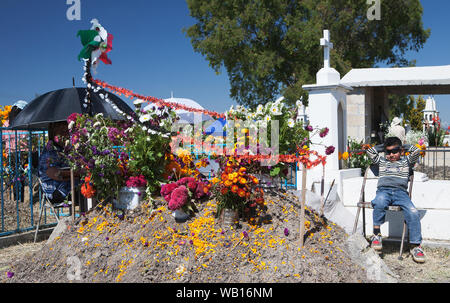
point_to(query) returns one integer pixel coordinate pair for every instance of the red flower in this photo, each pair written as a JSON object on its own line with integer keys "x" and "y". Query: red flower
{"x": 167, "y": 189}
{"x": 178, "y": 198}
{"x": 87, "y": 190}
{"x": 185, "y": 180}
{"x": 192, "y": 186}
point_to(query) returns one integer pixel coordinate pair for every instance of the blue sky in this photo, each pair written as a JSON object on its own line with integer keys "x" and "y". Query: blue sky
{"x": 151, "y": 55}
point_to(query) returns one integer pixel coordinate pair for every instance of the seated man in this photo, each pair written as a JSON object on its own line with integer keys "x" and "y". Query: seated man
{"x": 55, "y": 180}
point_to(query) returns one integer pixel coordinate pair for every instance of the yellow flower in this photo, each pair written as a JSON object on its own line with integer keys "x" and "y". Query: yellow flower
{"x": 215, "y": 180}
{"x": 345, "y": 155}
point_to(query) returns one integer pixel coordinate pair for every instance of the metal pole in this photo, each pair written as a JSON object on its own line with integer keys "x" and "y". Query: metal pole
{"x": 1, "y": 186}
{"x": 30, "y": 178}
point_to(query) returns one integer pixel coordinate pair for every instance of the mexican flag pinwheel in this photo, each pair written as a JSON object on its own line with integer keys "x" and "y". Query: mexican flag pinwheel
{"x": 97, "y": 42}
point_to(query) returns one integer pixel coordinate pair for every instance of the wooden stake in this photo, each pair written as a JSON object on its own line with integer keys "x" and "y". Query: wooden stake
{"x": 302, "y": 210}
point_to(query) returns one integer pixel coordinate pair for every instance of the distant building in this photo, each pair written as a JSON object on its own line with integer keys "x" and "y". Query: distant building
{"x": 430, "y": 112}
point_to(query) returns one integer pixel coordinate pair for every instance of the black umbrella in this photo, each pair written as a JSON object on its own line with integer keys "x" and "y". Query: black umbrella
{"x": 59, "y": 104}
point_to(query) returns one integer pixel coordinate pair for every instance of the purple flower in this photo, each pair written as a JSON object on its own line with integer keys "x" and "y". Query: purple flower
{"x": 10, "y": 274}
{"x": 286, "y": 232}
{"x": 245, "y": 234}
{"x": 324, "y": 132}
{"x": 191, "y": 242}
{"x": 309, "y": 128}
{"x": 107, "y": 238}
{"x": 329, "y": 150}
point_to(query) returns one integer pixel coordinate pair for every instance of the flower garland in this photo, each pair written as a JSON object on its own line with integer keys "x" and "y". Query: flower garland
{"x": 129, "y": 93}
{"x": 87, "y": 79}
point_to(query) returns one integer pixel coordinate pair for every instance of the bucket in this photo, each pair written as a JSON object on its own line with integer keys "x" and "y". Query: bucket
{"x": 229, "y": 217}
{"x": 129, "y": 197}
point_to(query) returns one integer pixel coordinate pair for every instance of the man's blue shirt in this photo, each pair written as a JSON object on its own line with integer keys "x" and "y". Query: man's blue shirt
{"x": 52, "y": 156}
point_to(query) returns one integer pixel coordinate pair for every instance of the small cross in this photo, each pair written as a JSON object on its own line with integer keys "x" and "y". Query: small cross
{"x": 325, "y": 41}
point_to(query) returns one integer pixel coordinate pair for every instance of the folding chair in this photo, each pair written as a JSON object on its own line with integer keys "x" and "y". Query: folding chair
{"x": 45, "y": 204}
{"x": 362, "y": 204}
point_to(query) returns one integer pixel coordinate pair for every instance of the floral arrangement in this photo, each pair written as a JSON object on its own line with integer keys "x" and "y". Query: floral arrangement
{"x": 358, "y": 159}
{"x": 4, "y": 113}
{"x": 233, "y": 186}
{"x": 87, "y": 189}
{"x": 148, "y": 149}
{"x": 294, "y": 136}
{"x": 435, "y": 134}
{"x": 95, "y": 147}
{"x": 183, "y": 193}
{"x": 415, "y": 137}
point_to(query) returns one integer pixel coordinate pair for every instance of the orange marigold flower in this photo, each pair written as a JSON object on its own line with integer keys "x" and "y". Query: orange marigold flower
{"x": 241, "y": 193}
{"x": 234, "y": 189}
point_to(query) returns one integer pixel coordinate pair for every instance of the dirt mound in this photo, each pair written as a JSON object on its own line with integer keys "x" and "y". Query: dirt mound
{"x": 149, "y": 246}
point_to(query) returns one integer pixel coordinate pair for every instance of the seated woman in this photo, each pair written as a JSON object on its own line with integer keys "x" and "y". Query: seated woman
{"x": 55, "y": 180}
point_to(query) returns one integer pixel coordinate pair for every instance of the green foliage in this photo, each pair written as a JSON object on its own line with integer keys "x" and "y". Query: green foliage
{"x": 148, "y": 156}
{"x": 272, "y": 47}
{"x": 415, "y": 114}
{"x": 357, "y": 160}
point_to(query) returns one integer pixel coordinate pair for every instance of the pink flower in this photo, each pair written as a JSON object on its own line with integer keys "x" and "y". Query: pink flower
{"x": 138, "y": 181}
{"x": 73, "y": 117}
{"x": 167, "y": 189}
{"x": 421, "y": 141}
{"x": 178, "y": 198}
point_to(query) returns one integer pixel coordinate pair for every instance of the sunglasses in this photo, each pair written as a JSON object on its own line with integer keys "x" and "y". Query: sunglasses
{"x": 392, "y": 151}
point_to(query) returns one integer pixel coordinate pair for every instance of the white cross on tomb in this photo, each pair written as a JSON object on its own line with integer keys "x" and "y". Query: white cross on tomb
{"x": 325, "y": 41}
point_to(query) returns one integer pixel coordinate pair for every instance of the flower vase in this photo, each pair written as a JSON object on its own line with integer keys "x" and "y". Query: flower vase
{"x": 180, "y": 215}
{"x": 229, "y": 217}
{"x": 129, "y": 197}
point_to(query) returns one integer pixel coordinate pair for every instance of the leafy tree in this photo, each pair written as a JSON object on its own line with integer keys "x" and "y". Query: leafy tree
{"x": 270, "y": 47}
{"x": 415, "y": 114}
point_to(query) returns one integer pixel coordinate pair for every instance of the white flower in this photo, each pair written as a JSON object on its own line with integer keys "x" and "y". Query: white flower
{"x": 291, "y": 122}
{"x": 144, "y": 118}
{"x": 299, "y": 103}
{"x": 267, "y": 118}
{"x": 71, "y": 124}
{"x": 97, "y": 124}
{"x": 259, "y": 109}
{"x": 275, "y": 110}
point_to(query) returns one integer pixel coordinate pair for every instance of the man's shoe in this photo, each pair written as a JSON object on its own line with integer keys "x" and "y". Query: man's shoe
{"x": 376, "y": 242}
{"x": 417, "y": 254}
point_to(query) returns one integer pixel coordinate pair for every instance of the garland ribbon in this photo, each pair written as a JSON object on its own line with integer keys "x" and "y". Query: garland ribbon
{"x": 129, "y": 93}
